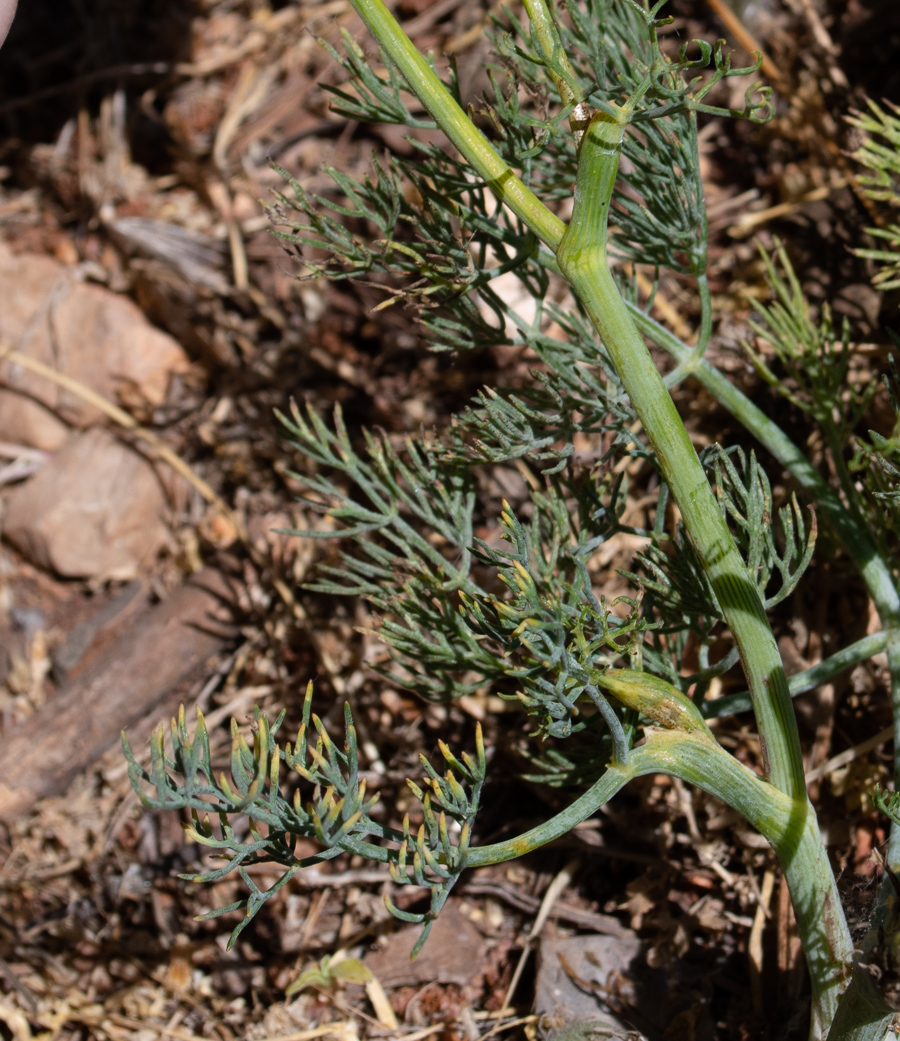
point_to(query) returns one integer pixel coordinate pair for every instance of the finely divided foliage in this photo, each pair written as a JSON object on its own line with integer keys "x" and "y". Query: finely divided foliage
{"x": 879, "y": 154}
{"x": 337, "y": 816}
{"x": 517, "y": 612}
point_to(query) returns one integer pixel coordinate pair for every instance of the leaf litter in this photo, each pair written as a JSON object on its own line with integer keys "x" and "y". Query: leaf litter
{"x": 136, "y": 154}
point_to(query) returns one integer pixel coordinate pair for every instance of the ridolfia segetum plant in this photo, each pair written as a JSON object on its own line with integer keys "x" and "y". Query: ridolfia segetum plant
{"x": 605, "y": 684}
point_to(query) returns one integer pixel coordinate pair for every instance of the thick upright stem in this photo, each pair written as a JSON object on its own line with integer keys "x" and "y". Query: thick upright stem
{"x": 863, "y": 1014}
{"x": 858, "y": 541}
{"x": 582, "y": 259}
{"x": 875, "y": 571}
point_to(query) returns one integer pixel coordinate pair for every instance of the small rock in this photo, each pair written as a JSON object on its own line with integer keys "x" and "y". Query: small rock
{"x": 576, "y": 974}
{"x": 83, "y": 331}
{"x": 27, "y": 422}
{"x": 94, "y": 511}
{"x": 453, "y": 953}
{"x": 588, "y": 985}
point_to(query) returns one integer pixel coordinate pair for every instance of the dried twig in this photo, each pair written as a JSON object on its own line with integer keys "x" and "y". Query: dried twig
{"x": 755, "y": 943}
{"x": 554, "y": 891}
{"x": 729, "y": 18}
{"x": 608, "y": 925}
{"x": 843, "y": 758}
{"x": 749, "y": 222}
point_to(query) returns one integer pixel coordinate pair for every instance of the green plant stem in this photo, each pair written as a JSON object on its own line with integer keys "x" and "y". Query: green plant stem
{"x": 558, "y": 65}
{"x": 849, "y": 527}
{"x": 862, "y": 549}
{"x": 581, "y": 256}
{"x": 862, "y": 1014}
{"x": 583, "y": 260}
{"x": 693, "y": 758}
{"x": 789, "y": 825}
{"x": 705, "y": 315}
{"x": 809, "y": 679}
{"x": 859, "y": 543}
{"x": 466, "y": 137}
{"x": 545, "y": 33}
{"x": 686, "y": 367}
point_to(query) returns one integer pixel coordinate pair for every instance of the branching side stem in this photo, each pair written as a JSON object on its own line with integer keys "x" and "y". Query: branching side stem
{"x": 465, "y": 136}
{"x": 809, "y": 679}
{"x": 558, "y": 65}
{"x": 694, "y": 758}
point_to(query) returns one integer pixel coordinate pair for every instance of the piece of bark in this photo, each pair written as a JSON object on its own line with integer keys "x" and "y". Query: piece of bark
{"x": 89, "y": 639}
{"x": 159, "y": 648}
{"x": 199, "y": 258}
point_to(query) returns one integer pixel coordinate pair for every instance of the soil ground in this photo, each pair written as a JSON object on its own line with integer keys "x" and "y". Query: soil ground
{"x": 172, "y": 113}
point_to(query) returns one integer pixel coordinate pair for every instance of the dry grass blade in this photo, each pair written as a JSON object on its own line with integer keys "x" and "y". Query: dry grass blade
{"x": 749, "y": 222}
{"x": 755, "y": 943}
{"x": 666, "y": 311}
{"x": 748, "y": 41}
{"x": 554, "y": 892}
{"x": 842, "y": 758}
